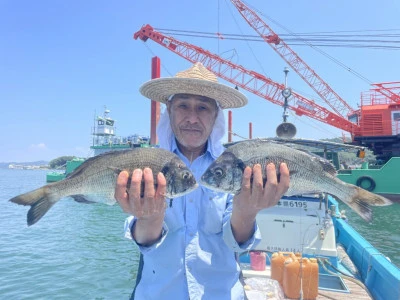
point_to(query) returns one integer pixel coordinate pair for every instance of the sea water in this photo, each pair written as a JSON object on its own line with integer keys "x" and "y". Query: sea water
{"x": 77, "y": 251}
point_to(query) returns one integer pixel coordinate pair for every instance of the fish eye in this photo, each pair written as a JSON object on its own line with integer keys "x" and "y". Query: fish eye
{"x": 185, "y": 175}
{"x": 218, "y": 172}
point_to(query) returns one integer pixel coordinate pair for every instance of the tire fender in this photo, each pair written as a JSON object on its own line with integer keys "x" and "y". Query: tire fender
{"x": 372, "y": 183}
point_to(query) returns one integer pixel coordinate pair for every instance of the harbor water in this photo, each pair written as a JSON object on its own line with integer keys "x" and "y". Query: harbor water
{"x": 77, "y": 251}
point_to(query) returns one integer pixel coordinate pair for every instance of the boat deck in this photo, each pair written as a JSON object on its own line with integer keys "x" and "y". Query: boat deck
{"x": 354, "y": 290}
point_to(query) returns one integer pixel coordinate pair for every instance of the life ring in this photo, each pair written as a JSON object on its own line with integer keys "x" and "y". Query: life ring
{"x": 369, "y": 181}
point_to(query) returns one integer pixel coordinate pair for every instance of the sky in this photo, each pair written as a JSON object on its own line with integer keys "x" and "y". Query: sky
{"x": 62, "y": 62}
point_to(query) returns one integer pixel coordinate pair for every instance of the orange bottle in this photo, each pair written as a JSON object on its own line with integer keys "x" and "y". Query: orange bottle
{"x": 310, "y": 278}
{"x": 291, "y": 277}
{"x": 278, "y": 263}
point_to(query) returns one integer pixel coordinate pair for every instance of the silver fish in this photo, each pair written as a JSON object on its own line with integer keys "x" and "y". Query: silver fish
{"x": 309, "y": 174}
{"x": 95, "y": 179}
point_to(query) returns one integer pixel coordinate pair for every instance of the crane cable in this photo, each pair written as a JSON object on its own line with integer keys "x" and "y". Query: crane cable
{"x": 317, "y": 49}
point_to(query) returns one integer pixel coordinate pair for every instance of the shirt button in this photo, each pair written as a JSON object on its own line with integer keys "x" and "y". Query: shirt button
{"x": 191, "y": 234}
{"x": 190, "y": 200}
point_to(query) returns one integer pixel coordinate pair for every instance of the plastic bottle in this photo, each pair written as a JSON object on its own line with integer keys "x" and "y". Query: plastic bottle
{"x": 291, "y": 277}
{"x": 258, "y": 260}
{"x": 278, "y": 263}
{"x": 310, "y": 278}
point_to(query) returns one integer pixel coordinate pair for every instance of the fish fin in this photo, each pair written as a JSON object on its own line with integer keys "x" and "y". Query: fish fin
{"x": 40, "y": 201}
{"x": 115, "y": 170}
{"x": 371, "y": 198}
{"x": 38, "y": 210}
{"x": 361, "y": 200}
{"x": 362, "y": 209}
{"x": 327, "y": 166}
{"x": 82, "y": 199}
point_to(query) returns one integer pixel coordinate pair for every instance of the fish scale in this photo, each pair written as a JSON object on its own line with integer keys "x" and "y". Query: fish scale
{"x": 309, "y": 174}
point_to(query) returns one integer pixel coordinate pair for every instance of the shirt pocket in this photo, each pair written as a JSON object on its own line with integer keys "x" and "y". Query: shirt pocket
{"x": 212, "y": 209}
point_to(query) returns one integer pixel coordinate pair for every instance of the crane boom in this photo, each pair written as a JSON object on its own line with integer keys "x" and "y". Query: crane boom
{"x": 340, "y": 106}
{"x": 388, "y": 90}
{"x": 249, "y": 80}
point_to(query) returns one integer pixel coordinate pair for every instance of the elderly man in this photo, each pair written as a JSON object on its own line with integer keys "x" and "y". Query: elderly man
{"x": 188, "y": 249}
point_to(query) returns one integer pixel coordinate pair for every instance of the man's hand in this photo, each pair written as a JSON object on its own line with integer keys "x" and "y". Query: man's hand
{"x": 152, "y": 202}
{"x": 149, "y": 209}
{"x": 255, "y": 197}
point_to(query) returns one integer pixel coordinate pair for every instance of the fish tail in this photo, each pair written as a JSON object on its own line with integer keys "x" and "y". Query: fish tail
{"x": 371, "y": 198}
{"x": 362, "y": 200}
{"x": 40, "y": 200}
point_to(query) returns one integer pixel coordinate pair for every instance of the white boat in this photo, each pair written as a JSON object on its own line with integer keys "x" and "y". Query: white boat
{"x": 314, "y": 227}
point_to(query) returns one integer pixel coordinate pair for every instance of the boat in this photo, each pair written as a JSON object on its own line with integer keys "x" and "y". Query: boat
{"x": 314, "y": 227}
{"x": 104, "y": 140}
{"x": 70, "y": 166}
{"x": 378, "y": 178}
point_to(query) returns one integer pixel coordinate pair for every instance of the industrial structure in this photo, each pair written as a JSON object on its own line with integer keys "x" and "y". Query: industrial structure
{"x": 375, "y": 124}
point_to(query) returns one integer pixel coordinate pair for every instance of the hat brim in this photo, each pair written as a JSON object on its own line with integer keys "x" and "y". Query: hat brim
{"x": 161, "y": 89}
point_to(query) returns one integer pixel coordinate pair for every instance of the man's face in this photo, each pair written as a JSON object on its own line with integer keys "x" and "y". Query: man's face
{"x": 192, "y": 119}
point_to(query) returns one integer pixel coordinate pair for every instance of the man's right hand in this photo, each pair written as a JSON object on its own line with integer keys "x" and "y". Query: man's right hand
{"x": 149, "y": 209}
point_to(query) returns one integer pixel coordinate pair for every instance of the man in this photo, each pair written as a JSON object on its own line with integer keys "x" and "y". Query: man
{"x": 188, "y": 248}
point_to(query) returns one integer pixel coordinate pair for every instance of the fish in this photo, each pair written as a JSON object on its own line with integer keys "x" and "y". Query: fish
{"x": 95, "y": 179}
{"x": 309, "y": 174}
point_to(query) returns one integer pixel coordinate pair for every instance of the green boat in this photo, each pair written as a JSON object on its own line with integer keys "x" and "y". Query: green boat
{"x": 104, "y": 140}
{"x": 380, "y": 179}
{"x": 70, "y": 166}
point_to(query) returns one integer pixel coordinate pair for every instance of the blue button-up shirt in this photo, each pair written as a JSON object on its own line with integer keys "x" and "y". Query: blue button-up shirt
{"x": 195, "y": 257}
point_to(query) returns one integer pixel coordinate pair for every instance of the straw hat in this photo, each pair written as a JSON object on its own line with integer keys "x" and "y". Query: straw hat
{"x": 197, "y": 81}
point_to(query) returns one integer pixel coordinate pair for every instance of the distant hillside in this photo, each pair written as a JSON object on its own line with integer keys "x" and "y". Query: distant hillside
{"x": 32, "y": 163}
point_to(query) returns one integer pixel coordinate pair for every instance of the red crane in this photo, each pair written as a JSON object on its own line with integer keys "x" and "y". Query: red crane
{"x": 389, "y": 89}
{"x": 375, "y": 125}
{"x": 249, "y": 80}
{"x": 379, "y": 115}
{"x": 292, "y": 59}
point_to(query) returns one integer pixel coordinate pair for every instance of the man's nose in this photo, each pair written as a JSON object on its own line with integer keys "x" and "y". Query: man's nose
{"x": 192, "y": 115}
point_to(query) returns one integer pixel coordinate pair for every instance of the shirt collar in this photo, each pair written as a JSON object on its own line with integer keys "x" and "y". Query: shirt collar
{"x": 175, "y": 149}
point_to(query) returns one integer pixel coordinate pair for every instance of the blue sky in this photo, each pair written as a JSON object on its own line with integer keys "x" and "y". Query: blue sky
{"x": 62, "y": 61}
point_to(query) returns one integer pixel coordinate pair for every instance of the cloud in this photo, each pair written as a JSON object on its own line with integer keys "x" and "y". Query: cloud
{"x": 40, "y": 146}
